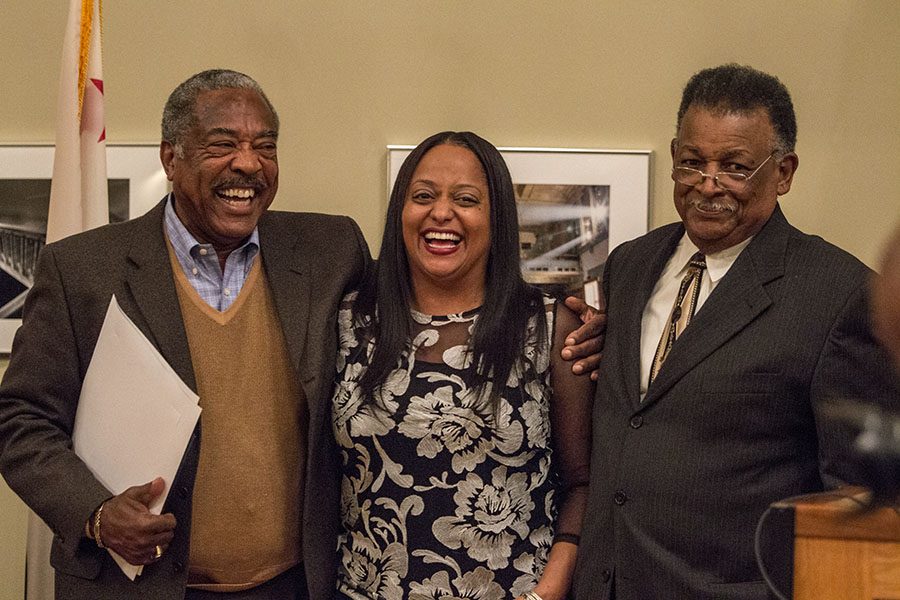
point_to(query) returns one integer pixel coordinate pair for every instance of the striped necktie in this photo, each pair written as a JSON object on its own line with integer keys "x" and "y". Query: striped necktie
{"x": 682, "y": 311}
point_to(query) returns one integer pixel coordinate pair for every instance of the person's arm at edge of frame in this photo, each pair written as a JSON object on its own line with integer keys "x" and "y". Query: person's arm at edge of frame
{"x": 853, "y": 366}
{"x": 570, "y": 420}
{"x": 37, "y": 412}
{"x": 37, "y": 415}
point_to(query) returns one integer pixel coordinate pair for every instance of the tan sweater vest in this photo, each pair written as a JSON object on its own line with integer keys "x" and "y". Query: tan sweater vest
{"x": 245, "y": 526}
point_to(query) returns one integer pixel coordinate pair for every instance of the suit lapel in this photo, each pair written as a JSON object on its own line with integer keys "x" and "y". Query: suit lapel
{"x": 738, "y": 299}
{"x": 289, "y": 282}
{"x": 150, "y": 280}
{"x": 635, "y": 301}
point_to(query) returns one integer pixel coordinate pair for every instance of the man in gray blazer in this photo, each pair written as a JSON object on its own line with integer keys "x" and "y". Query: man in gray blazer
{"x": 241, "y": 302}
{"x": 699, "y": 427}
{"x": 193, "y": 253}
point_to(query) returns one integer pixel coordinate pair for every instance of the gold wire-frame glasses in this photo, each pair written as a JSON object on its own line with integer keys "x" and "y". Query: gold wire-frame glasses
{"x": 727, "y": 180}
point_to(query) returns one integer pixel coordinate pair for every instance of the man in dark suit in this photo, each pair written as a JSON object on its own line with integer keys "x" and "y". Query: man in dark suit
{"x": 698, "y": 427}
{"x": 241, "y": 302}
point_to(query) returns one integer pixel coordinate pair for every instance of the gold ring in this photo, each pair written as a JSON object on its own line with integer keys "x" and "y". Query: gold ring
{"x": 158, "y": 553}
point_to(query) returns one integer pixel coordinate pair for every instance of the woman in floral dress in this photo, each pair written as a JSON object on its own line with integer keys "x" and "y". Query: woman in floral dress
{"x": 465, "y": 438}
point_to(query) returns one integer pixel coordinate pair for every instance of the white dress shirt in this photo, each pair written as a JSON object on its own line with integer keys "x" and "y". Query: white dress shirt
{"x": 659, "y": 306}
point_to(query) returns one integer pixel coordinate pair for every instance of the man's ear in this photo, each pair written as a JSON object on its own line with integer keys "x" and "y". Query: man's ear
{"x": 167, "y": 158}
{"x": 787, "y": 166}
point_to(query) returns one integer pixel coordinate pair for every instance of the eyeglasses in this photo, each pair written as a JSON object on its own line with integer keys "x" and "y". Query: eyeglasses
{"x": 727, "y": 180}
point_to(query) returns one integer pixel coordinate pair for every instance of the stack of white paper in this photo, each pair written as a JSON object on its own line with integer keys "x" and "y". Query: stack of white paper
{"x": 135, "y": 415}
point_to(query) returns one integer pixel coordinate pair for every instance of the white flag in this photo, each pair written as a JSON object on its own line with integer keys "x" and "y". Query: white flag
{"x": 78, "y": 196}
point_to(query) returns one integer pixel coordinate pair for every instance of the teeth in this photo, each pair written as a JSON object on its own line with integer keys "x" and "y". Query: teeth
{"x": 242, "y": 193}
{"x": 441, "y": 235}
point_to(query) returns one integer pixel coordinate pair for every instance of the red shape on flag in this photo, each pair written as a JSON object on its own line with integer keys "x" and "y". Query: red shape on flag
{"x": 78, "y": 194}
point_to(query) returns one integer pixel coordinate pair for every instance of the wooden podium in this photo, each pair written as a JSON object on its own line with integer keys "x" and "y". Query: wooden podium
{"x": 838, "y": 549}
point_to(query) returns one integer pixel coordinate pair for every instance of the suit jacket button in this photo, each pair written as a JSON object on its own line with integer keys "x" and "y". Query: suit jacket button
{"x": 636, "y": 421}
{"x": 620, "y": 498}
{"x": 178, "y": 566}
{"x": 184, "y": 492}
{"x": 605, "y": 575}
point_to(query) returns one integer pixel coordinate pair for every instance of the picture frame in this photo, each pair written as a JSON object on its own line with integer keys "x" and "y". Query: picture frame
{"x": 137, "y": 182}
{"x": 575, "y": 205}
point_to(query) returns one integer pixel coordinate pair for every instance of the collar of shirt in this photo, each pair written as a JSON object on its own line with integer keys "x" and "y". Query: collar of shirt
{"x": 200, "y": 264}
{"x": 659, "y": 305}
{"x": 717, "y": 263}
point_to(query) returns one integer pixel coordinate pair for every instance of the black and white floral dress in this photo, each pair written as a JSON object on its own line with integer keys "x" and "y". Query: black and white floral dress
{"x": 443, "y": 494}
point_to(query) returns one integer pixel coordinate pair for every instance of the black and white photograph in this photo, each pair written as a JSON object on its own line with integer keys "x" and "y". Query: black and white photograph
{"x": 136, "y": 182}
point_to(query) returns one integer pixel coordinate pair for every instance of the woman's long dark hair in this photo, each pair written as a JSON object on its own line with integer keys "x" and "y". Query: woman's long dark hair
{"x": 499, "y": 335}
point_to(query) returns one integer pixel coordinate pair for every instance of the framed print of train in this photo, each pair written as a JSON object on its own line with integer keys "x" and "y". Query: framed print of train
{"x": 136, "y": 183}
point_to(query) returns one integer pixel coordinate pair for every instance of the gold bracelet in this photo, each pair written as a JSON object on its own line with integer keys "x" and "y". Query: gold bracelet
{"x": 97, "y": 537}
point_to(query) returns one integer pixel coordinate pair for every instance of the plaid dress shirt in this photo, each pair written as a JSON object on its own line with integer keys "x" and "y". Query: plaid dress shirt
{"x": 201, "y": 264}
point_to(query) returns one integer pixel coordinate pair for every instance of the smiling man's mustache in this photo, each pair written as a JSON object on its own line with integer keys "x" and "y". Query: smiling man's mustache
{"x": 245, "y": 182}
{"x": 712, "y": 205}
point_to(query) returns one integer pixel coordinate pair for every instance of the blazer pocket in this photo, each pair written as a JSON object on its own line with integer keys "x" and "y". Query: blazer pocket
{"x": 85, "y": 564}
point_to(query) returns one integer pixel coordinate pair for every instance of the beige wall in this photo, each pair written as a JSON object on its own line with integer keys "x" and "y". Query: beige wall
{"x": 350, "y": 77}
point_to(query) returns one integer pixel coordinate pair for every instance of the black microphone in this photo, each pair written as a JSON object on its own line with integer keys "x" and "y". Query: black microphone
{"x": 874, "y": 455}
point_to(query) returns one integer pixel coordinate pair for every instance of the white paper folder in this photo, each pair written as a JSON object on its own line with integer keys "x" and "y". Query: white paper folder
{"x": 135, "y": 415}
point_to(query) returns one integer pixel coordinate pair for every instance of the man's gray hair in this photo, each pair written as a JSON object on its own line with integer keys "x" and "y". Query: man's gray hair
{"x": 179, "y": 116}
{"x": 734, "y": 88}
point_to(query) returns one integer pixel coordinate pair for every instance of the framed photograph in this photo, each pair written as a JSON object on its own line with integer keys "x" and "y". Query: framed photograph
{"x": 136, "y": 183}
{"x": 574, "y": 207}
